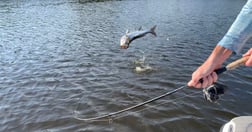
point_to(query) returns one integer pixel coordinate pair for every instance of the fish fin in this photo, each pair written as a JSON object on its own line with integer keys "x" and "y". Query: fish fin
{"x": 127, "y": 31}
{"x": 152, "y": 30}
{"x": 140, "y": 28}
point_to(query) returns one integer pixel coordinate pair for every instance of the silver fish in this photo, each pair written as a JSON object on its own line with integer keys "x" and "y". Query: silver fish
{"x": 129, "y": 37}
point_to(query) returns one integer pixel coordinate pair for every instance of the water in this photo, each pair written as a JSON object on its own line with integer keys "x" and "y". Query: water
{"x": 62, "y": 58}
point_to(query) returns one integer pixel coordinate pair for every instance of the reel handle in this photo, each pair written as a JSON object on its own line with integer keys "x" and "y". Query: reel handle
{"x": 230, "y": 66}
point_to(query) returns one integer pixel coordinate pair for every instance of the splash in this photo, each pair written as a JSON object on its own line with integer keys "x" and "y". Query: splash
{"x": 141, "y": 66}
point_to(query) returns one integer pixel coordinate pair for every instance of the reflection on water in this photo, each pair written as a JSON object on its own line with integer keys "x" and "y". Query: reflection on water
{"x": 59, "y": 58}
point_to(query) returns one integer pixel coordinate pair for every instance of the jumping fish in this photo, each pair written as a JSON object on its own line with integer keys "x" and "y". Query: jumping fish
{"x": 129, "y": 37}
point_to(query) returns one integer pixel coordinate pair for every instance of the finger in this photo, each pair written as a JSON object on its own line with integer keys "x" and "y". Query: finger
{"x": 190, "y": 83}
{"x": 210, "y": 79}
{"x": 198, "y": 85}
{"x": 215, "y": 77}
{"x": 205, "y": 82}
{"x": 249, "y": 61}
{"x": 194, "y": 81}
{"x": 249, "y": 52}
{"x": 194, "y": 84}
{"x": 246, "y": 54}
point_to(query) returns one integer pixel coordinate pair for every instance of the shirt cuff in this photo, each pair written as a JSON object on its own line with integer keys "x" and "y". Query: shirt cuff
{"x": 240, "y": 31}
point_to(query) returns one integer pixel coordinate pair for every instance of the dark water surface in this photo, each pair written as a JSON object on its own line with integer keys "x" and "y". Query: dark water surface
{"x": 62, "y": 58}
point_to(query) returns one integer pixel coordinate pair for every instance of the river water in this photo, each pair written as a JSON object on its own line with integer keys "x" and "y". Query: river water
{"x": 62, "y": 59}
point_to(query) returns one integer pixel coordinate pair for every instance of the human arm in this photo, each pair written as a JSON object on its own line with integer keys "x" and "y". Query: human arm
{"x": 206, "y": 70}
{"x": 237, "y": 35}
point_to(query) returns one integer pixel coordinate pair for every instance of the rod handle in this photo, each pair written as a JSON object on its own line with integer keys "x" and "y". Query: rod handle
{"x": 237, "y": 63}
{"x": 230, "y": 66}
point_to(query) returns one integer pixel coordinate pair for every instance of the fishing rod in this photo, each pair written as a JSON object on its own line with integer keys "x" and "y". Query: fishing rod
{"x": 109, "y": 116}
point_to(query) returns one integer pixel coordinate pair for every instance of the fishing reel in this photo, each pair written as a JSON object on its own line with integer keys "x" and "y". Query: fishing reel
{"x": 213, "y": 92}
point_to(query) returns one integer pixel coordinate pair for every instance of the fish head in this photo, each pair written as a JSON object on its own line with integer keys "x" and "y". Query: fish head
{"x": 125, "y": 41}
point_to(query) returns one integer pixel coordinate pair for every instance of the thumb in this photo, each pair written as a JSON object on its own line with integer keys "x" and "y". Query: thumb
{"x": 193, "y": 82}
{"x": 249, "y": 61}
{"x": 190, "y": 83}
{"x": 249, "y": 52}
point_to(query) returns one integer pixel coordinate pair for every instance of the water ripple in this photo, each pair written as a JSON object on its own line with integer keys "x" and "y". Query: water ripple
{"x": 62, "y": 58}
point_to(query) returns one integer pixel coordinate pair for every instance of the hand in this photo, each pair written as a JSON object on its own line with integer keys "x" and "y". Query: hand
{"x": 249, "y": 61}
{"x": 205, "y": 72}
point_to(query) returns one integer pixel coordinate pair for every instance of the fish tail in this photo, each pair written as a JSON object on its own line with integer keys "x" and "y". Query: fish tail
{"x": 152, "y": 30}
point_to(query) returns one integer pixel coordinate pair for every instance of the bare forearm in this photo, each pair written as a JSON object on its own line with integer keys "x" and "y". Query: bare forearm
{"x": 218, "y": 56}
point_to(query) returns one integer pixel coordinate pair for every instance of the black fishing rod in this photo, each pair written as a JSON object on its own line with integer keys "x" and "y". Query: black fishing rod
{"x": 110, "y": 115}
{"x": 208, "y": 93}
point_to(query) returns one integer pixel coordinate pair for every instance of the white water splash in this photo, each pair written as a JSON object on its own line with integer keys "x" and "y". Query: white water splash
{"x": 141, "y": 66}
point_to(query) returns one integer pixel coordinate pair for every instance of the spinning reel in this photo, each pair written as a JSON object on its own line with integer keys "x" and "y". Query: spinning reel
{"x": 213, "y": 92}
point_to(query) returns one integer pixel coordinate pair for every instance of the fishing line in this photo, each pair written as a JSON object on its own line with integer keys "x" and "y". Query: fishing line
{"x": 110, "y": 116}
